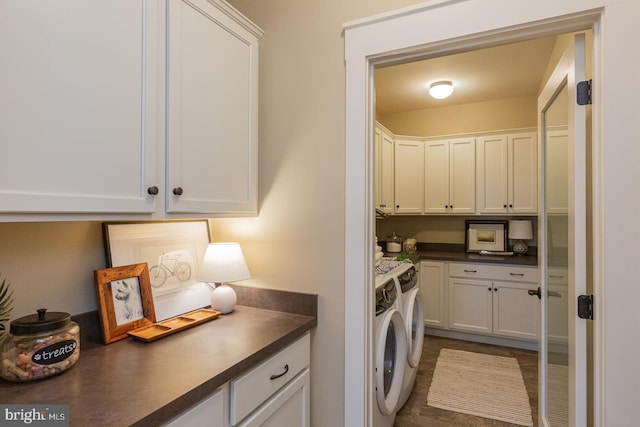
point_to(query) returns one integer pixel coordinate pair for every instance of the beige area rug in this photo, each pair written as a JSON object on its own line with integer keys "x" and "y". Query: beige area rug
{"x": 558, "y": 395}
{"x": 480, "y": 384}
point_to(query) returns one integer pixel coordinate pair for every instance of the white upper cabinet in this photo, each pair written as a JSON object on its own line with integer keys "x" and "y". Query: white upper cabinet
{"x": 383, "y": 169}
{"x": 449, "y": 176}
{"x": 85, "y": 129}
{"x": 409, "y": 177}
{"x": 79, "y": 106}
{"x": 507, "y": 173}
{"x": 212, "y": 110}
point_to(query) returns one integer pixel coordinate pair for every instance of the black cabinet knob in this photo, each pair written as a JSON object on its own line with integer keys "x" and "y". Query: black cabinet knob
{"x": 178, "y": 191}
{"x": 153, "y": 190}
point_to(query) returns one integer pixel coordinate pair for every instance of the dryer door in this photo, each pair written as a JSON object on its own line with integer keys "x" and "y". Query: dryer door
{"x": 414, "y": 325}
{"x": 391, "y": 352}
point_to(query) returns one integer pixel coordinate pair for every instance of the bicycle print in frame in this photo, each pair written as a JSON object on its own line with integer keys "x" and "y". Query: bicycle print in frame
{"x": 172, "y": 249}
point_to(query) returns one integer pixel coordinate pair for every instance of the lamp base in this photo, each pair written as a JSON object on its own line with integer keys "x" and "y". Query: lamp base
{"x": 223, "y": 299}
{"x": 520, "y": 247}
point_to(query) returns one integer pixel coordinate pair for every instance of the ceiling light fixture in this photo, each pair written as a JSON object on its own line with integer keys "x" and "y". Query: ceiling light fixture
{"x": 441, "y": 89}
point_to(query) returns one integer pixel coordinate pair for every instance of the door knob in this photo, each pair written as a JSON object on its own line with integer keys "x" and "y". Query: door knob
{"x": 536, "y": 292}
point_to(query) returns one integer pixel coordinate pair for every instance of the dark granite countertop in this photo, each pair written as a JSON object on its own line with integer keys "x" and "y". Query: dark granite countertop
{"x": 527, "y": 260}
{"x": 456, "y": 253}
{"x": 131, "y": 382}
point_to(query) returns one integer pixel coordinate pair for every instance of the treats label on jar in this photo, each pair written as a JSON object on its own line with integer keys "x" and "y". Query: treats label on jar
{"x": 54, "y": 353}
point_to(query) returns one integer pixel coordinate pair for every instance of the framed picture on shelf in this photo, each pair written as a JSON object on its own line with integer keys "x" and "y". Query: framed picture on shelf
{"x": 486, "y": 235}
{"x": 172, "y": 249}
{"x": 125, "y": 302}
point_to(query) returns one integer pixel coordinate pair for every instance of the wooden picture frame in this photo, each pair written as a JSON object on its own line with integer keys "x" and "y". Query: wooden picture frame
{"x": 125, "y": 300}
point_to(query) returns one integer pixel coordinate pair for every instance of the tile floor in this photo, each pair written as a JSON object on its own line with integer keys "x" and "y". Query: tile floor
{"x": 416, "y": 413}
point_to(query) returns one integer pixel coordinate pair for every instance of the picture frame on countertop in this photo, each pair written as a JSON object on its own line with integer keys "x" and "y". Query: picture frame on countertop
{"x": 125, "y": 301}
{"x": 486, "y": 235}
{"x": 173, "y": 250}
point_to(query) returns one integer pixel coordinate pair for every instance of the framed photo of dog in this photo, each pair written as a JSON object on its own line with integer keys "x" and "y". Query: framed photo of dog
{"x": 125, "y": 300}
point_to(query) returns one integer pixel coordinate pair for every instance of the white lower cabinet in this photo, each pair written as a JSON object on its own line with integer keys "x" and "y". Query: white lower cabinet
{"x": 433, "y": 289}
{"x": 276, "y": 392}
{"x": 492, "y": 299}
{"x": 289, "y": 407}
{"x": 209, "y": 412}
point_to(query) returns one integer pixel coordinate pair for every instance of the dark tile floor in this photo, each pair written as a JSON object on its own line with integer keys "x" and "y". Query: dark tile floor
{"x": 416, "y": 413}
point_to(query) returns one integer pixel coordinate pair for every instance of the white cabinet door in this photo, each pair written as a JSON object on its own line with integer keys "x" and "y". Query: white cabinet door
{"x": 208, "y": 412}
{"x": 211, "y": 111}
{"x": 470, "y": 305}
{"x": 449, "y": 176}
{"x": 433, "y": 290}
{"x": 507, "y": 175}
{"x": 383, "y": 170}
{"x": 523, "y": 173}
{"x": 462, "y": 176}
{"x": 408, "y": 171}
{"x": 436, "y": 177}
{"x": 79, "y": 92}
{"x": 515, "y": 312}
{"x": 289, "y": 407}
{"x": 491, "y": 161}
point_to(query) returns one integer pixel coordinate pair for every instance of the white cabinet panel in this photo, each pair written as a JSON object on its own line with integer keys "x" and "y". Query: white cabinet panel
{"x": 507, "y": 174}
{"x": 208, "y": 412}
{"x": 289, "y": 407}
{"x": 449, "y": 175}
{"x": 433, "y": 290}
{"x": 470, "y": 305}
{"x": 212, "y": 111}
{"x": 408, "y": 170}
{"x": 384, "y": 178}
{"x": 494, "y": 299}
{"x": 78, "y": 111}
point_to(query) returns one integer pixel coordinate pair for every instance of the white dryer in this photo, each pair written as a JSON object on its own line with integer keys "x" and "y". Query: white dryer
{"x": 412, "y": 310}
{"x": 390, "y": 352}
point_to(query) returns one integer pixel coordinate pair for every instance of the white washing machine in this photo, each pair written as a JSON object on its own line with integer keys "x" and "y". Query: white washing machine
{"x": 412, "y": 310}
{"x": 390, "y": 352}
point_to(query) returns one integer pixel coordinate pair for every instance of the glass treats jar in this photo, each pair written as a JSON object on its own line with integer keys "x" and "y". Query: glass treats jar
{"x": 39, "y": 346}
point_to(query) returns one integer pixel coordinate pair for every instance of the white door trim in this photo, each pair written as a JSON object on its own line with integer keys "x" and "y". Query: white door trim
{"x": 385, "y": 38}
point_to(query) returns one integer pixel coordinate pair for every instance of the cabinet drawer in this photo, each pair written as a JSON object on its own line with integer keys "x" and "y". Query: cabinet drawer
{"x": 557, "y": 276}
{"x": 248, "y": 391}
{"x": 494, "y": 272}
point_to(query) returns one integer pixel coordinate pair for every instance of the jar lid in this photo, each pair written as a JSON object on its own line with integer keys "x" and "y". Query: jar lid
{"x": 40, "y": 322}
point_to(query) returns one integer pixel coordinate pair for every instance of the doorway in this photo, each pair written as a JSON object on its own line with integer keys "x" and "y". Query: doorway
{"x": 363, "y": 59}
{"x": 400, "y": 94}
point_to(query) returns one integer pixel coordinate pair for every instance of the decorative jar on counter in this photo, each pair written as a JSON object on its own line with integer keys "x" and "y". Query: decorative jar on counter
{"x": 394, "y": 243}
{"x": 39, "y": 346}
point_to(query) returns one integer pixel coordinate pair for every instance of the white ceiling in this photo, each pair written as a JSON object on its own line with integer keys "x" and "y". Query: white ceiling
{"x": 508, "y": 71}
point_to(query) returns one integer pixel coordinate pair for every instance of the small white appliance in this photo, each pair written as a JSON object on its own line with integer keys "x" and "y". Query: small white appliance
{"x": 390, "y": 351}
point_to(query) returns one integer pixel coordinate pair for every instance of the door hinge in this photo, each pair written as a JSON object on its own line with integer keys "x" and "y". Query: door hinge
{"x": 584, "y": 92}
{"x": 585, "y": 307}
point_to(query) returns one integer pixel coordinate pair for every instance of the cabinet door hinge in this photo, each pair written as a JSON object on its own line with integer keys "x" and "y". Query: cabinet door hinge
{"x": 585, "y": 307}
{"x": 584, "y": 92}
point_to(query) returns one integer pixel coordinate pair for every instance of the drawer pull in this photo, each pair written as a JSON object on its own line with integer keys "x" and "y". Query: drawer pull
{"x": 551, "y": 276}
{"x": 470, "y": 271}
{"x": 517, "y": 274}
{"x": 274, "y": 377}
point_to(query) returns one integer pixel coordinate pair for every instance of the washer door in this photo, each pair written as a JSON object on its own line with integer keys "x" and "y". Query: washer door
{"x": 414, "y": 325}
{"x": 391, "y": 352}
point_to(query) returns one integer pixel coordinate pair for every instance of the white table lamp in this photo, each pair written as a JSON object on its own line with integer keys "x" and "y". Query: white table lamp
{"x": 223, "y": 262}
{"x": 520, "y": 230}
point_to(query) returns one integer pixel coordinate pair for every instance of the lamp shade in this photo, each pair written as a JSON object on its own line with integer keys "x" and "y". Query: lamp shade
{"x": 223, "y": 262}
{"x": 520, "y": 229}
